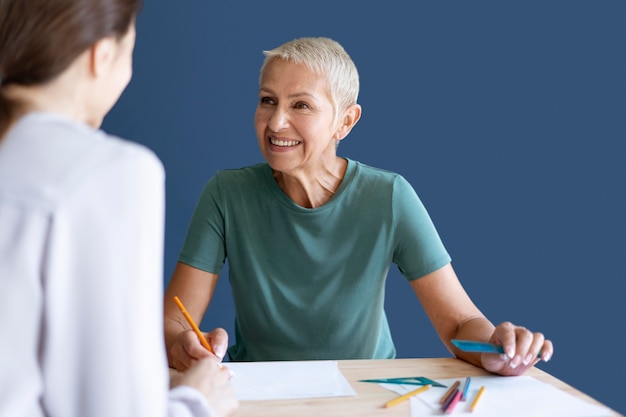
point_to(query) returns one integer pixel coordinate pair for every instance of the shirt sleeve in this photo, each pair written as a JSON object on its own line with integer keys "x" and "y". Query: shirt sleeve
{"x": 204, "y": 246}
{"x": 418, "y": 250}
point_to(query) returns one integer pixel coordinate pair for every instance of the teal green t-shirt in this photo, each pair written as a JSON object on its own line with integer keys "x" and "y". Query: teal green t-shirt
{"x": 310, "y": 283}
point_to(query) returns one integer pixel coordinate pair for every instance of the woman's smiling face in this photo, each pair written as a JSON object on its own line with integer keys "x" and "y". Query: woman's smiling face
{"x": 295, "y": 118}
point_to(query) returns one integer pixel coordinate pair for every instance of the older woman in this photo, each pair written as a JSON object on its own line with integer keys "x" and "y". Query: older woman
{"x": 310, "y": 237}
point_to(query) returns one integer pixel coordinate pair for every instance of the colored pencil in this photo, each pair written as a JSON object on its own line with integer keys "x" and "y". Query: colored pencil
{"x": 195, "y": 328}
{"x": 448, "y": 400}
{"x": 455, "y": 399}
{"x": 480, "y": 392}
{"x": 406, "y": 396}
{"x": 448, "y": 393}
{"x": 465, "y": 388}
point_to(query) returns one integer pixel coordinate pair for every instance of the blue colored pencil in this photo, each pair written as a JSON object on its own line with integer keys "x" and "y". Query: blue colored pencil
{"x": 465, "y": 388}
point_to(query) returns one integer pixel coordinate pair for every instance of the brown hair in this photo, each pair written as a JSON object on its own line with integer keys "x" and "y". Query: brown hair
{"x": 39, "y": 39}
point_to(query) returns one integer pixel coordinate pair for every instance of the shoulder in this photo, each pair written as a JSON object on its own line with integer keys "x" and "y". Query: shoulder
{"x": 47, "y": 158}
{"x": 377, "y": 186}
{"x": 252, "y": 172}
{"x": 241, "y": 178}
{"x": 373, "y": 176}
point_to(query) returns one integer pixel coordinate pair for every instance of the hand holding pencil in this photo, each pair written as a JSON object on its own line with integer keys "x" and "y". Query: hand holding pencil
{"x": 511, "y": 350}
{"x": 193, "y": 325}
{"x": 192, "y": 344}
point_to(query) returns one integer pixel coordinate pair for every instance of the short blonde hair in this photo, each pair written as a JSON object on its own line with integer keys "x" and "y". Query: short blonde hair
{"x": 326, "y": 57}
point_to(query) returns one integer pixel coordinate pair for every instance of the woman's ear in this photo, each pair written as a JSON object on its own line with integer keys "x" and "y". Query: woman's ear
{"x": 350, "y": 116}
{"x": 101, "y": 56}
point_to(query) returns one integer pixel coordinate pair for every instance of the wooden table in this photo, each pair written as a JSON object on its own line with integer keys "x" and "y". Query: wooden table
{"x": 370, "y": 397}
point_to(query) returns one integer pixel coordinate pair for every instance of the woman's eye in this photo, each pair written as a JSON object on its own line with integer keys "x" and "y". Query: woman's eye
{"x": 266, "y": 100}
{"x": 301, "y": 105}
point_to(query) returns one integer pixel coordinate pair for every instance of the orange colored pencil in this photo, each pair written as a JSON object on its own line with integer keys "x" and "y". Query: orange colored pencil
{"x": 195, "y": 328}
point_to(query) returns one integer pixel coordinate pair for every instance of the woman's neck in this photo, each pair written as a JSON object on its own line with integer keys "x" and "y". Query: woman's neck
{"x": 66, "y": 95}
{"x": 314, "y": 188}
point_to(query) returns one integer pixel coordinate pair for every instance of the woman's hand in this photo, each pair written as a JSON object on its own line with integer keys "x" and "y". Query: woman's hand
{"x": 522, "y": 350}
{"x": 187, "y": 349}
{"x": 213, "y": 381}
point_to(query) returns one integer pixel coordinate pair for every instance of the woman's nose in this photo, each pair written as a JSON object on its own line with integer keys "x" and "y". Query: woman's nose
{"x": 278, "y": 120}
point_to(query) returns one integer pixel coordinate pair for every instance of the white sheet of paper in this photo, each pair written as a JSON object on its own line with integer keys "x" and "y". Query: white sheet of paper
{"x": 288, "y": 379}
{"x": 520, "y": 396}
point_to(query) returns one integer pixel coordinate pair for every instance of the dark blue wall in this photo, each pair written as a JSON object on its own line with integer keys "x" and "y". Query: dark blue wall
{"x": 507, "y": 117}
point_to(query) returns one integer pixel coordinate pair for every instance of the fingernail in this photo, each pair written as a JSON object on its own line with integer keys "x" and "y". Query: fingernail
{"x": 527, "y": 359}
{"x": 515, "y": 361}
{"x": 220, "y": 350}
{"x": 547, "y": 357}
{"x": 510, "y": 353}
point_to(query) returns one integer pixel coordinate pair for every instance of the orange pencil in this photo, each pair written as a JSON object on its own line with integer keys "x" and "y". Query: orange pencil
{"x": 195, "y": 328}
